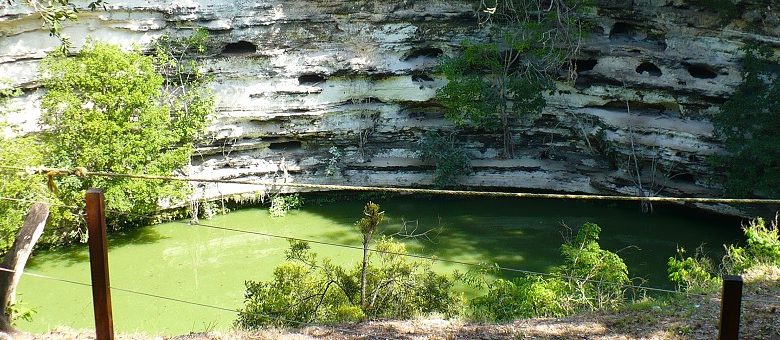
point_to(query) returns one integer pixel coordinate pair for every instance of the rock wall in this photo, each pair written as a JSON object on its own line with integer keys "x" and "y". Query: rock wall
{"x": 341, "y": 91}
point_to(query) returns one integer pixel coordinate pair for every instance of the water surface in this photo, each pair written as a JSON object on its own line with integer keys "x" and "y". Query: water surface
{"x": 210, "y": 266}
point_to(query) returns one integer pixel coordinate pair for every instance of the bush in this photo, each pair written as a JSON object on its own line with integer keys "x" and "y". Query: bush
{"x": 522, "y": 297}
{"x": 590, "y": 278}
{"x": 693, "y": 274}
{"x": 450, "y": 159}
{"x": 385, "y": 285}
{"x": 281, "y": 204}
{"x": 763, "y": 247}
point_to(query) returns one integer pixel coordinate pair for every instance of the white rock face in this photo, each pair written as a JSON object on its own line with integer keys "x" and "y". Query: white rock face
{"x": 295, "y": 78}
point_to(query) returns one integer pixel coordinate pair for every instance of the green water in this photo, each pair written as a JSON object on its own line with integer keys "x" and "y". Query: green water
{"x": 210, "y": 266}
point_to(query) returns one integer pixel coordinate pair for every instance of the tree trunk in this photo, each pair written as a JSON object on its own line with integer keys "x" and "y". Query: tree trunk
{"x": 16, "y": 259}
{"x": 363, "y": 274}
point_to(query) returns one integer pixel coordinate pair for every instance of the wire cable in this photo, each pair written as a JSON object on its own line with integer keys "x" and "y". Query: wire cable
{"x": 193, "y": 303}
{"x": 434, "y": 258}
{"x": 82, "y": 172}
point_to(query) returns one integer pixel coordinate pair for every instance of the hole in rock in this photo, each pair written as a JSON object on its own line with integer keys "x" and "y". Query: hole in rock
{"x": 421, "y": 77}
{"x": 241, "y": 47}
{"x": 285, "y": 146}
{"x": 649, "y": 68}
{"x": 428, "y": 52}
{"x": 582, "y": 65}
{"x": 683, "y": 177}
{"x": 310, "y": 79}
{"x": 622, "y": 30}
{"x": 700, "y": 71}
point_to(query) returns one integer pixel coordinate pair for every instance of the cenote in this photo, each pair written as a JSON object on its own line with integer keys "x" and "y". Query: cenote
{"x": 209, "y": 266}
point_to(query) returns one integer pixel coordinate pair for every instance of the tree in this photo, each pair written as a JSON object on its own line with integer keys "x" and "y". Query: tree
{"x": 748, "y": 123}
{"x": 108, "y": 110}
{"x": 368, "y": 226}
{"x": 497, "y": 80}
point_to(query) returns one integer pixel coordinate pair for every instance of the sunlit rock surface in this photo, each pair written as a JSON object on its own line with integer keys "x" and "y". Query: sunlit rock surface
{"x": 297, "y": 80}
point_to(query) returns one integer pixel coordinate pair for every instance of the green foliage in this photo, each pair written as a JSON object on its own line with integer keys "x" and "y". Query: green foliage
{"x": 522, "y": 297}
{"x": 496, "y": 80}
{"x": 748, "y": 124}
{"x": 333, "y": 166}
{"x": 281, "y": 204}
{"x": 54, "y": 12}
{"x": 590, "y": 278}
{"x": 597, "y": 275}
{"x": 693, "y": 274}
{"x": 384, "y": 285}
{"x": 373, "y": 217}
{"x": 109, "y": 110}
{"x": 305, "y": 289}
{"x": 763, "y": 247}
{"x": 19, "y": 150}
{"x": 451, "y": 160}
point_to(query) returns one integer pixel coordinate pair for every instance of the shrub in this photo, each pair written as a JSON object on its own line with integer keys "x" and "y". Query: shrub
{"x": 451, "y": 160}
{"x": 281, "y": 204}
{"x": 384, "y": 285}
{"x": 522, "y": 297}
{"x": 693, "y": 274}
{"x": 590, "y": 278}
{"x": 763, "y": 247}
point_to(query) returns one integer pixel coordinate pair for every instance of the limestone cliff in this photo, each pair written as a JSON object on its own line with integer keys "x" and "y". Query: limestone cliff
{"x": 340, "y": 92}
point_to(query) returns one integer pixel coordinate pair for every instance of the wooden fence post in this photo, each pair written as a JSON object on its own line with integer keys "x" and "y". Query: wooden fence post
{"x": 98, "y": 262}
{"x": 730, "y": 307}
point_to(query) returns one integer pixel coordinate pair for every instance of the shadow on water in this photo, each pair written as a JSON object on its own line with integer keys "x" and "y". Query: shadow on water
{"x": 79, "y": 253}
{"x": 527, "y": 234}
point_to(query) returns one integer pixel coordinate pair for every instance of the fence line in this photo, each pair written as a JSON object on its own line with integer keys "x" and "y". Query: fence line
{"x": 83, "y": 172}
{"x": 193, "y": 303}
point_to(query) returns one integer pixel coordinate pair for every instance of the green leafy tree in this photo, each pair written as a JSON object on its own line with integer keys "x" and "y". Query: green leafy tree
{"x": 495, "y": 81}
{"x": 108, "y": 110}
{"x": 748, "y": 124}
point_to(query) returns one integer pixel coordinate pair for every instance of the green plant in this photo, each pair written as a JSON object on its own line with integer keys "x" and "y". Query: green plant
{"x": 333, "y": 167}
{"x": 281, "y": 204}
{"x": 522, "y": 297}
{"x": 596, "y": 275}
{"x": 748, "y": 124}
{"x": 591, "y": 278}
{"x": 763, "y": 247}
{"x": 20, "y": 311}
{"x": 451, "y": 160}
{"x": 103, "y": 93}
{"x": 54, "y": 12}
{"x": 692, "y": 274}
{"x": 384, "y": 285}
{"x": 501, "y": 78}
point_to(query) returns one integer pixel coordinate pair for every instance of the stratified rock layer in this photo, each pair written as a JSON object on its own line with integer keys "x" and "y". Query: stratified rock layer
{"x": 340, "y": 92}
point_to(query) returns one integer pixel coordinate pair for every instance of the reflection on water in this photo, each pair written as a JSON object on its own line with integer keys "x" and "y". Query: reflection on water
{"x": 210, "y": 266}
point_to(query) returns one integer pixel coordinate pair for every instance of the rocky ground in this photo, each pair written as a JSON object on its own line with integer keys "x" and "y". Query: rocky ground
{"x": 680, "y": 317}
